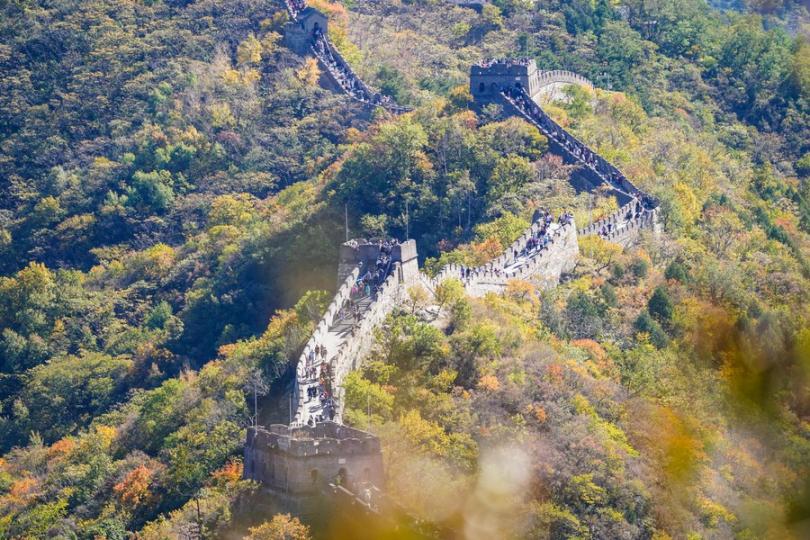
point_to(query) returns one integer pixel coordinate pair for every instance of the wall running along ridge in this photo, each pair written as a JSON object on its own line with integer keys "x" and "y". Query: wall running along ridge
{"x": 307, "y": 32}
{"x": 513, "y": 84}
{"x": 346, "y": 348}
{"x": 300, "y": 458}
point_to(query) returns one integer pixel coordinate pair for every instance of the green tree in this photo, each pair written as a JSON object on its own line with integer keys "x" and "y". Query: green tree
{"x": 660, "y": 305}
{"x": 510, "y": 174}
{"x": 151, "y": 191}
{"x": 68, "y": 392}
{"x": 647, "y": 325}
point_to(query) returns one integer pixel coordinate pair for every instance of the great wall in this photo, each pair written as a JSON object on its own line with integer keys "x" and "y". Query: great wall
{"x": 316, "y": 451}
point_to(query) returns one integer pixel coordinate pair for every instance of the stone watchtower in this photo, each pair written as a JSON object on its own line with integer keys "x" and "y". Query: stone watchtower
{"x": 366, "y": 251}
{"x": 302, "y": 461}
{"x": 298, "y": 34}
{"x": 489, "y": 79}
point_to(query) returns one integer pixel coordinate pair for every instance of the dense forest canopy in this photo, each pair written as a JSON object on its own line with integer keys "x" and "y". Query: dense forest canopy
{"x": 174, "y": 185}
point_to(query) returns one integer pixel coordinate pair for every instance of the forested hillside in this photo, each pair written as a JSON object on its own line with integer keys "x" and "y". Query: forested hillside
{"x": 174, "y": 186}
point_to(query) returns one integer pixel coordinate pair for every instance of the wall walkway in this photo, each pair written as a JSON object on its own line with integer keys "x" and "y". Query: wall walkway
{"x": 543, "y": 253}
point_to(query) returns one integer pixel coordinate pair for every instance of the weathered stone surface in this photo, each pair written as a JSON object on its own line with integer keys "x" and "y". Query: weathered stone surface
{"x": 302, "y": 460}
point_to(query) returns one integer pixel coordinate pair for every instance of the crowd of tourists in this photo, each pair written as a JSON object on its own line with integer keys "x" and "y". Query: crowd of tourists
{"x": 604, "y": 170}
{"x": 318, "y": 384}
{"x": 370, "y": 280}
{"x": 346, "y": 78}
{"x": 507, "y": 61}
{"x": 294, "y": 7}
{"x": 540, "y": 240}
{"x": 318, "y": 372}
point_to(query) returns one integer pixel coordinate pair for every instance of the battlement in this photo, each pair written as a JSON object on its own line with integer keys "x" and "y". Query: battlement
{"x": 505, "y": 66}
{"x": 325, "y": 438}
{"x": 302, "y": 460}
{"x": 491, "y": 77}
{"x": 300, "y": 32}
{"x": 488, "y": 79}
{"x": 360, "y": 250}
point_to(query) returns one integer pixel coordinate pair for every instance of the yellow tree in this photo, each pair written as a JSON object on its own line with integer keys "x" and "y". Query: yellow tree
{"x": 418, "y": 298}
{"x": 249, "y": 51}
{"x": 281, "y": 527}
{"x": 599, "y": 249}
{"x": 309, "y": 72}
{"x": 448, "y": 292}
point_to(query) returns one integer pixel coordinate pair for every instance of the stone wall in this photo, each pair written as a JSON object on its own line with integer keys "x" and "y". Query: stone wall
{"x": 624, "y": 225}
{"x": 307, "y": 33}
{"x": 302, "y": 460}
{"x": 357, "y": 347}
{"x": 317, "y": 336}
{"x": 489, "y": 79}
{"x": 544, "y": 267}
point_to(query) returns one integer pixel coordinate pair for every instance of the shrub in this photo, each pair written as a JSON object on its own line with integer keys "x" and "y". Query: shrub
{"x": 646, "y": 324}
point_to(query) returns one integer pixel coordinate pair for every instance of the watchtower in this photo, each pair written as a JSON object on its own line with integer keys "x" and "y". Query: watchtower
{"x": 488, "y": 79}
{"x": 366, "y": 252}
{"x": 302, "y": 461}
{"x": 299, "y": 34}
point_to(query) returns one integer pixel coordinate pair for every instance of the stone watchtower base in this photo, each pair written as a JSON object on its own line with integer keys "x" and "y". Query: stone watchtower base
{"x": 298, "y": 34}
{"x": 364, "y": 251}
{"x": 301, "y": 462}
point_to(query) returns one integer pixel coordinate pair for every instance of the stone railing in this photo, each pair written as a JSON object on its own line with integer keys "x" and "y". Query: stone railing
{"x": 625, "y": 232}
{"x": 454, "y": 270}
{"x": 354, "y": 349}
{"x": 561, "y": 76}
{"x": 625, "y": 213}
{"x": 494, "y": 275}
{"x": 623, "y": 225}
{"x": 342, "y": 74}
{"x": 317, "y": 336}
{"x": 574, "y": 148}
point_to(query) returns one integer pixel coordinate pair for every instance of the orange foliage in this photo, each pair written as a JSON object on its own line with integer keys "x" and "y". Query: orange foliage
{"x": 133, "y": 490}
{"x": 229, "y": 474}
{"x": 23, "y": 489}
{"x": 555, "y": 372}
{"x": 225, "y": 351}
{"x": 487, "y": 250}
{"x": 598, "y": 355}
{"x": 489, "y": 383}
{"x": 522, "y": 290}
{"x": 467, "y": 119}
{"x": 334, "y": 11}
{"x": 595, "y": 350}
{"x": 61, "y": 447}
{"x": 538, "y": 412}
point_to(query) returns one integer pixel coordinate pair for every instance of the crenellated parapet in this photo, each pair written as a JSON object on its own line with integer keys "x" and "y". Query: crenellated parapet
{"x": 302, "y": 461}
{"x": 543, "y": 253}
{"x": 490, "y": 78}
